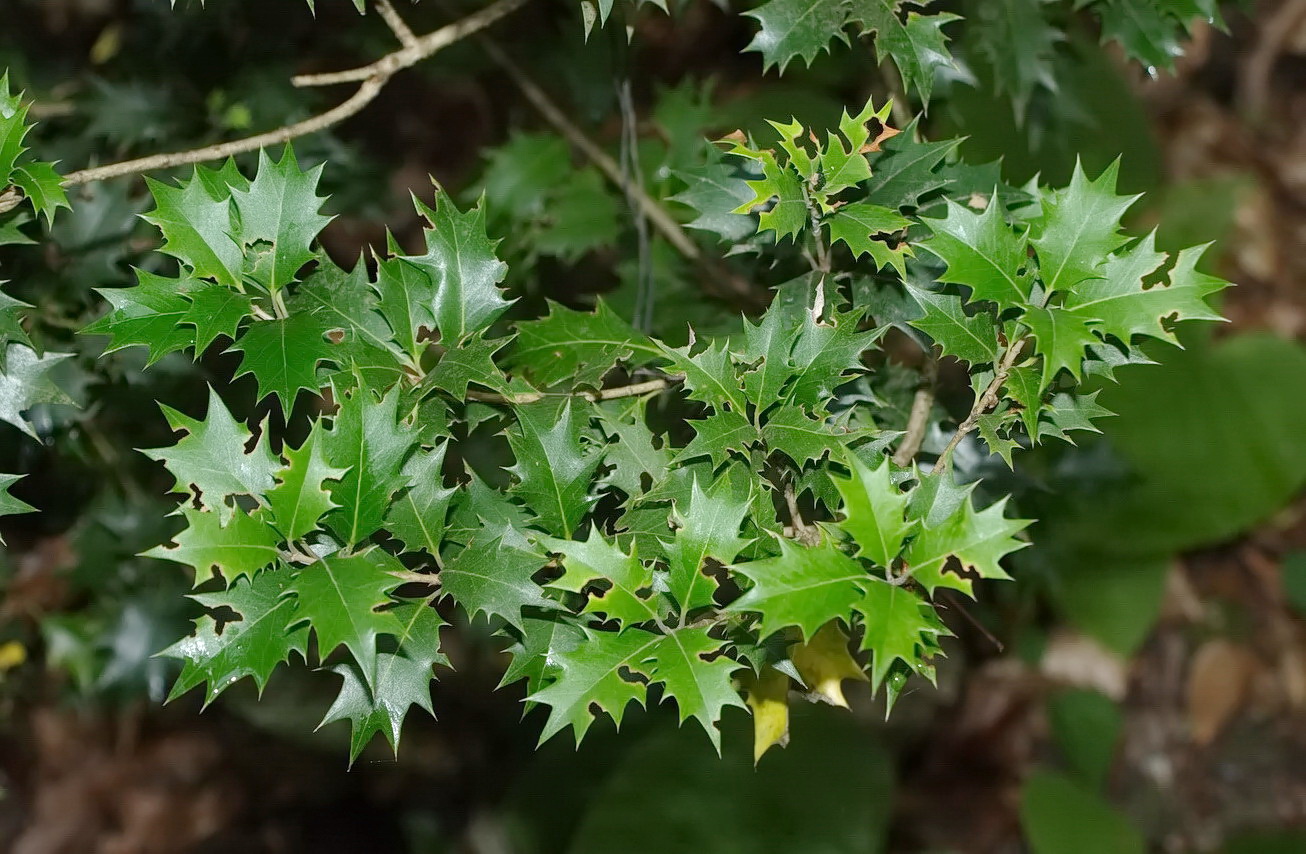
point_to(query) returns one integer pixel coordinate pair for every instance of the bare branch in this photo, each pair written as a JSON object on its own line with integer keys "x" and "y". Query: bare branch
{"x": 370, "y": 85}
{"x": 918, "y": 420}
{"x": 423, "y": 47}
{"x": 615, "y": 393}
{"x": 983, "y": 404}
{"x": 397, "y": 24}
{"x": 365, "y": 94}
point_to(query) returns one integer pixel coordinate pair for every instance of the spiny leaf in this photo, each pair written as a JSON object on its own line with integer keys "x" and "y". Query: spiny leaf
{"x": 339, "y": 597}
{"x": 978, "y": 541}
{"x": 895, "y": 624}
{"x": 700, "y": 688}
{"x": 492, "y": 575}
{"x": 626, "y": 592}
{"x": 239, "y": 546}
{"x": 593, "y": 676}
{"x": 462, "y": 265}
{"x": 1079, "y": 228}
{"x": 300, "y": 500}
{"x": 368, "y": 440}
{"x": 416, "y": 518}
{"x": 283, "y": 355}
{"x": 917, "y": 45}
{"x": 874, "y": 511}
{"x": 706, "y": 527}
{"x": 279, "y": 217}
{"x": 554, "y": 469}
{"x": 970, "y": 337}
{"x": 983, "y": 253}
{"x": 796, "y": 28}
{"x": 824, "y": 662}
{"x": 197, "y": 229}
{"x": 1062, "y": 334}
{"x": 576, "y": 346}
{"x": 148, "y": 315}
{"x": 804, "y": 587}
{"x": 210, "y": 460}
{"x": 251, "y": 646}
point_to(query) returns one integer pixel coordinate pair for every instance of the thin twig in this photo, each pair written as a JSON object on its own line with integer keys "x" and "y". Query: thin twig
{"x": 397, "y": 25}
{"x": 378, "y": 74}
{"x": 918, "y": 420}
{"x": 419, "y": 50}
{"x": 804, "y": 532}
{"x": 615, "y": 393}
{"x": 983, "y": 403}
{"x": 662, "y": 221}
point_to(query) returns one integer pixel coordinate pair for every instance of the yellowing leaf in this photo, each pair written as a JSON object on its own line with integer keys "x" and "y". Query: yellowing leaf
{"x": 768, "y": 698}
{"x": 824, "y": 662}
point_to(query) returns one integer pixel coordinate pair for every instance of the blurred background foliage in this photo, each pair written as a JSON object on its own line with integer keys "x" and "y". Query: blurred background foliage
{"x": 1141, "y": 686}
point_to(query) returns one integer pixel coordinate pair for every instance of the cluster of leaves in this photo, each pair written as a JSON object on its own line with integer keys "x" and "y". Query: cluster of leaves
{"x": 1015, "y": 39}
{"x": 25, "y": 372}
{"x": 700, "y": 524}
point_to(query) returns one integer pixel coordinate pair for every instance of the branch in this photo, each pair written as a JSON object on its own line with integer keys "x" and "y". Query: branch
{"x": 983, "y": 403}
{"x": 378, "y": 74}
{"x": 420, "y": 49}
{"x": 804, "y": 532}
{"x": 397, "y": 25}
{"x": 615, "y": 393}
{"x": 1272, "y": 36}
{"x": 918, "y": 421}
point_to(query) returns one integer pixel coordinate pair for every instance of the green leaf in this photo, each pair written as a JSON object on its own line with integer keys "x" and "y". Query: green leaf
{"x": 857, "y": 226}
{"x": 235, "y": 547}
{"x": 977, "y": 540}
{"x": 907, "y": 169}
{"x": 462, "y": 265}
{"x": 626, "y": 591}
{"x": 279, "y": 217}
{"x": 417, "y": 517}
{"x": 983, "y": 253}
{"x": 789, "y": 215}
{"x": 542, "y": 641}
{"x": 300, "y": 500}
{"x": 917, "y": 45}
{"x": 370, "y": 443}
{"x": 1062, "y": 334}
{"x": 215, "y": 311}
{"x": 702, "y": 689}
{"x": 804, "y": 439}
{"x": 345, "y": 302}
{"x": 898, "y": 626}
{"x": 210, "y": 461}
{"x": 338, "y": 597}
{"x": 554, "y": 469}
{"x": 1017, "y": 44}
{"x": 492, "y": 575}
{"x": 283, "y": 355}
{"x": 805, "y": 587}
{"x": 706, "y": 527}
{"x": 583, "y": 215}
{"x": 825, "y": 354}
{"x": 593, "y": 676}
{"x": 576, "y": 346}
{"x": 874, "y": 511}
{"x": 796, "y": 28}
{"x": 1086, "y": 726}
{"x": 970, "y": 337}
{"x": 148, "y": 315}
{"x": 406, "y": 292}
{"x": 715, "y": 191}
{"x": 1079, "y": 228}
{"x": 252, "y": 645}
{"x": 197, "y": 229}
{"x": 717, "y": 436}
{"x": 472, "y": 361}
{"x": 403, "y": 680}
{"x": 709, "y": 376}
{"x": 632, "y": 451}
{"x": 43, "y": 188}
{"x": 10, "y": 506}
{"x": 766, "y": 347}
{"x": 1127, "y": 300}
